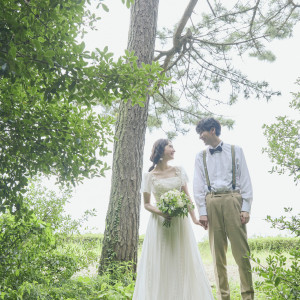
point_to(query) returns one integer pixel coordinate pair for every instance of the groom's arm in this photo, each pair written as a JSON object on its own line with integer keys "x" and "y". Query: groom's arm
{"x": 199, "y": 190}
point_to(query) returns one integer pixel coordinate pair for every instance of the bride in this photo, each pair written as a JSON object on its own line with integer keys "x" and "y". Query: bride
{"x": 170, "y": 265}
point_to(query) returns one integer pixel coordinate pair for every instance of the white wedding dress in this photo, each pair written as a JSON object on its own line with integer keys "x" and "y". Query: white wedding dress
{"x": 170, "y": 266}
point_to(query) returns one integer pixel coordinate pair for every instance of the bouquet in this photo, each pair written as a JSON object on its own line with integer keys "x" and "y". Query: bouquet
{"x": 175, "y": 204}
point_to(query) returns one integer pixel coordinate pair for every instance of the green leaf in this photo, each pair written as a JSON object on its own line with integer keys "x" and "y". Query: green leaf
{"x": 37, "y": 45}
{"x": 277, "y": 281}
{"x": 49, "y": 53}
{"x": 41, "y": 39}
{"x": 105, "y": 7}
{"x": 12, "y": 51}
{"x": 81, "y": 47}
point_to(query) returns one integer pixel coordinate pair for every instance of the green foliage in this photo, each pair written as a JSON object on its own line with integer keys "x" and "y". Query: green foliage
{"x": 41, "y": 257}
{"x": 79, "y": 288}
{"x": 280, "y": 279}
{"x": 117, "y": 284}
{"x": 88, "y": 237}
{"x": 100, "y": 287}
{"x": 279, "y": 135}
{"x": 40, "y": 53}
{"x": 257, "y": 244}
{"x": 33, "y": 250}
{"x": 97, "y": 238}
{"x": 292, "y": 224}
{"x": 273, "y": 243}
{"x": 24, "y": 244}
{"x": 49, "y": 83}
{"x": 49, "y": 207}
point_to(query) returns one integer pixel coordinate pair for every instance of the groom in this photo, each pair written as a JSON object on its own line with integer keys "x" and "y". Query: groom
{"x": 223, "y": 195}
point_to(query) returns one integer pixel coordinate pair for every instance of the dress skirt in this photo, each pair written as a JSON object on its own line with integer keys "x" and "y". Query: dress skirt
{"x": 170, "y": 266}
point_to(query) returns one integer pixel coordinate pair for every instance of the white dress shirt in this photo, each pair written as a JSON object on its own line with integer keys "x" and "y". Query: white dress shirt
{"x": 219, "y": 167}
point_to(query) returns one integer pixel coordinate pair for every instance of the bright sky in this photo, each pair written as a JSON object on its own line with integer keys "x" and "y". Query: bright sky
{"x": 271, "y": 192}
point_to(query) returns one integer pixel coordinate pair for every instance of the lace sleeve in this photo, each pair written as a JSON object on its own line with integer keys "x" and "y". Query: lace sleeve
{"x": 146, "y": 183}
{"x": 183, "y": 176}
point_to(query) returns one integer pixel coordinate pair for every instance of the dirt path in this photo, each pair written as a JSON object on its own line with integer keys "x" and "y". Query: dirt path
{"x": 232, "y": 271}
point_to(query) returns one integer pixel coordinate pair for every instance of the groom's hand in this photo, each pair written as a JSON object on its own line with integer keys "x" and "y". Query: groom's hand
{"x": 244, "y": 217}
{"x": 204, "y": 222}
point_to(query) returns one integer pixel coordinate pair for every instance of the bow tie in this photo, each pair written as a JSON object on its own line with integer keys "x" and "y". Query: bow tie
{"x": 218, "y": 149}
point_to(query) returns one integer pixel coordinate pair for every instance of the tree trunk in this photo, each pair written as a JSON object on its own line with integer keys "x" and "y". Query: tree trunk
{"x": 121, "y": 234}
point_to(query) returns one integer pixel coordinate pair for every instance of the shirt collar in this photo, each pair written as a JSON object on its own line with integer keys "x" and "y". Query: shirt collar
{"x": 220, "y": 144}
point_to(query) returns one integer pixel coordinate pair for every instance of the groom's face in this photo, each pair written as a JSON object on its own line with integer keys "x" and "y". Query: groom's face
{"x": 207, "y": 136}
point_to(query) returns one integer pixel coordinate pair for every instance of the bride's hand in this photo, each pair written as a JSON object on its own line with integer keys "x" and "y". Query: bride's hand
{"x": 197, "y": 222}
{"x": 166, "y": 216}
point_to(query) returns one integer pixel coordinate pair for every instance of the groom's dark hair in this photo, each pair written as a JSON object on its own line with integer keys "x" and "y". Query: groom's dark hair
{"x": 207, "y": 124}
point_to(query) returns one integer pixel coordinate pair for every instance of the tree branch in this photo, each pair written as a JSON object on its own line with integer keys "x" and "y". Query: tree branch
{"x": 253, "y": 17}
{"x": 211, "y": 8}
{"x": 182, "y": 23}
{"x": 178, "y": 39}
{"x": 292, "y": 2}
{"x": 229, "y": 44}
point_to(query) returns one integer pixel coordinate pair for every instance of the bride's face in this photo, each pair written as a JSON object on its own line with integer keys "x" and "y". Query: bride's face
{"x": 169, "y": 152}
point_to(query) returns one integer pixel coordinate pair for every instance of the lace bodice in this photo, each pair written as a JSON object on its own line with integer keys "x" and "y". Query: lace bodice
{"x": 158, "y": 186}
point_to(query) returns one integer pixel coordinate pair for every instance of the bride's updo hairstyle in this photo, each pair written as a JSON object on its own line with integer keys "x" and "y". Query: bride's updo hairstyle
{"x": 158, "y": 151}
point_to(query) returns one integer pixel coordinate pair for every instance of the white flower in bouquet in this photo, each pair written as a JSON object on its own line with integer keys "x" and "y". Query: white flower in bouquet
{"x": 175, "y": 204}
{"x": 180, "y": 203}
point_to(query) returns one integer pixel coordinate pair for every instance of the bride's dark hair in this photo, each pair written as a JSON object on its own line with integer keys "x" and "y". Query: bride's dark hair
{"x": 157, "y": 152}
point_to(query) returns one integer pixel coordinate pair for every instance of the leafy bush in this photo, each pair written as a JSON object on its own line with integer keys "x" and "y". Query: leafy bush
{"x": 33, "y": 251}
{"x": 49, "y": 206}
{"x": 86, "y": 288}
{"x": 280, "y": 134}
{"x": 270, "y": 243}
{"x": 280, "y": 278}
{"x": 24, "y": 245}
{"x": 106, "y": 287}
{"x": 273, "y": 243}
{"x": 93, "y": 238}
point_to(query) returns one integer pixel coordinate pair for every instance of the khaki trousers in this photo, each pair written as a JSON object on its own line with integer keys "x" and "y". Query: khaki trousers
{"x": 224, "y": 222}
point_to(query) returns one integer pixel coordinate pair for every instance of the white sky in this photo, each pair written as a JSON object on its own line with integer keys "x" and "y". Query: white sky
{"x": 271, "y": 192}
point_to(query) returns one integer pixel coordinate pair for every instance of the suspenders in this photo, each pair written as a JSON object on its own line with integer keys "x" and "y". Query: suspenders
{"x": 233, "y": 169}
{"x": 205, "y": 169}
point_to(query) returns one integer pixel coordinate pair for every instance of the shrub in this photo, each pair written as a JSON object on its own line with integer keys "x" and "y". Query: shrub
{"x": 87, "y": 238}
{"x": 49, "y": 206}
{"x": 270, "y": 243}
{"x": 281, "y": 280}
{"x": 273, "y": 243}
{"x": 24, "y": 244}
{"x": 99, "y": 287}
{"x": 33, "y": 252}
